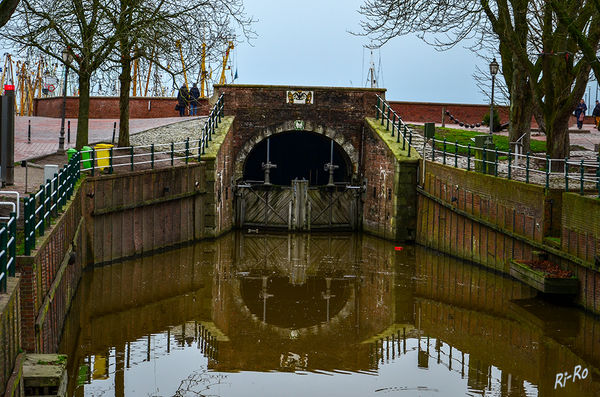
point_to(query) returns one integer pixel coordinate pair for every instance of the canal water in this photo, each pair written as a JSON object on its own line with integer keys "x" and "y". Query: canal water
{"x": 321, "y": 315}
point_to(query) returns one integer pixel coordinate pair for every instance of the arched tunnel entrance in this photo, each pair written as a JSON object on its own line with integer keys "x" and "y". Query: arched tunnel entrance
{"x": 298, "y": 155}
{"x": 298, "y": 180}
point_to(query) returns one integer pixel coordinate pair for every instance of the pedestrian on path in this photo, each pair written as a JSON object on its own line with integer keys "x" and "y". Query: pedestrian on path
{"x": 194, "y": 95}
{"x": 183, "y": 98}
{"x": 596, "y": 114}
{"x": 580, "y": 113}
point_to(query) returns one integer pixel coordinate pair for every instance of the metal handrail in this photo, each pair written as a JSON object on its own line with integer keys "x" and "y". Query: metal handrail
{"x": 586, "y": 172}
{"x": 8, "y": 251}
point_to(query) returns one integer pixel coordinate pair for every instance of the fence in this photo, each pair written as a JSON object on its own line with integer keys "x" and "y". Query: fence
{"x": 572, "y": 175}
{"x": 8, "y": 250}
{"x": 111, "y": 158}
{"x": 44, "y": 205}
{"x": 41, "y": 207}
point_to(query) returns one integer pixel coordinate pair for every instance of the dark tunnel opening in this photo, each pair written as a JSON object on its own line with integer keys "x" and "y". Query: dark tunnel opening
{"x": 298, "y": 155}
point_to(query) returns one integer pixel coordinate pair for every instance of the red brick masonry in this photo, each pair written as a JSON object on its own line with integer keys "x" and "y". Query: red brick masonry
{"x": 108, "y": 107}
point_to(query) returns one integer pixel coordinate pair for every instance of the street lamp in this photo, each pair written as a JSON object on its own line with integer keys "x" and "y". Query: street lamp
{"x": 493, "y": 71}
{"x": 67, "y": 58}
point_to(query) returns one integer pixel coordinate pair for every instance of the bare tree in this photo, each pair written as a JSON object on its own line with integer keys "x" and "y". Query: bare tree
{"x": 540, "y": 62}
{"x": 147, "y": 29}
{"x": 77, "y": 26}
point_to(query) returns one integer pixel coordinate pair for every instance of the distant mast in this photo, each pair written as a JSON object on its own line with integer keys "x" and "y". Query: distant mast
{"x": 372, "y": 74}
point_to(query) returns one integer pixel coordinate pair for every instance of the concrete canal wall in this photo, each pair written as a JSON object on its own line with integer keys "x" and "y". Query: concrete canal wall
{"x": 491, "y": 220}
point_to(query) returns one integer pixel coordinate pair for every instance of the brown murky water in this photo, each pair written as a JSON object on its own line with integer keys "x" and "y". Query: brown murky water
{"x": 321, "y": 315}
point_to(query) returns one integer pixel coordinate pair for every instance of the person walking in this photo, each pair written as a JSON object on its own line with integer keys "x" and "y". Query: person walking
{"x": 580, "y": 113}
{"x": 183, "y": 98}
{"x": 596, "y": 114}
{"x": 194, "y": 95}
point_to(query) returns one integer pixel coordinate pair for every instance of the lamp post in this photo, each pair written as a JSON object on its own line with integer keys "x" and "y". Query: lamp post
{"x": 67, "y": 59}
{"x": 493, "y": 71}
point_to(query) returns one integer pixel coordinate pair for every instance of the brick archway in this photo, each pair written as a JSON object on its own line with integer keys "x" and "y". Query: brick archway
{"x": 293, "y": 125}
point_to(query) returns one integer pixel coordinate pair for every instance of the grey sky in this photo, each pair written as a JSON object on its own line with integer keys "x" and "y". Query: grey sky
{"x": 307, "y": 43}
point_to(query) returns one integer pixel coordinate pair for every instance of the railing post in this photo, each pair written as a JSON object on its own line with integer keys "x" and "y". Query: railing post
{"x": 394, "y": 124}
{"x": 12, "y": 234}
{"x": 383, "y": 104}
{"x": 42, "y": 219}
{"x": 410, "y": 142}
{"x": 172, "y": 153}
{"x": 152, "y": 156}
{"x": 26, "y": 226}
{"x": 48, "y": 207}
{"x": 377, "y": 107}
{"x": 33, "y": 221}
{"x": 187, "y": 149}
{"x": 581, "y": 190}
{"x": 93, "y": 161}
{"x": 509, "y": 162}
{"x": 131, "y": 156}
{"x": 404, "y": 137}
{"x": 598, "y": 176}
{"x": 55, "y": 193}
{"x": 199, "y": 149}
{"x": 566, "y": 174}
{"x": 210, "y": 128}
{"x": 496, "y": 164}
{"x": 387, "y": 125}
{"x": 455, "y": 154}
{"x": 4, "y": 257}
{"x": 469, "y": 157}
{"x": 110, "y": 161}
{"x": 547, "y": 172}
{"x": 444, "y": 153}
{"x": 527, "y": 168}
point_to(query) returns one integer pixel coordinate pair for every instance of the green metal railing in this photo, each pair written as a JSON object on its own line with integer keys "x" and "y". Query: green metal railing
{"x": 8, "y": 250}
{"x": 582, "y": 175}
{"x": 389, "y": 118}
{"x": 41, "y": 207}
{"x": 155, "y": 153}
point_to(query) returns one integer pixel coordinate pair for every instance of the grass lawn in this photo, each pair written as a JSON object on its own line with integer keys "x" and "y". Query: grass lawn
{"x": 463, "y": 137}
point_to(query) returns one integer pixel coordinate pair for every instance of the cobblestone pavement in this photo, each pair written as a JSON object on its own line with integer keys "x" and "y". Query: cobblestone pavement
{"x": 45, "y": 132}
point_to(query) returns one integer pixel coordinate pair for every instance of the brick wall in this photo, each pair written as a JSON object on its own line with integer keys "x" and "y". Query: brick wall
{"x": 432, "y": 112}
{"x": 10, "y": 333}
{"x": 223, "y": 170}
{"x": 389, "y": 208}
{"x": 518, "y": 213}
{"x": 259, "y": 108}
{"x": 49, "y": 282}
{"x": 108, "y": 107}
{"x": 581, "y": 227}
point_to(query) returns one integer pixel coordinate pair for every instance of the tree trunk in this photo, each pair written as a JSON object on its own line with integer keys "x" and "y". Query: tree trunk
{"x": 557, "y": 136}
{"x": 521, "y": 109}
{"x": 84, "y": 109}
{"x": 7, "y": 7}
{"x": 125, "y": 79}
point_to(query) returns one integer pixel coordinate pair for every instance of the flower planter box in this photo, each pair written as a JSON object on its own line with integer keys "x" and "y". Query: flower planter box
{"x": 542, "y": 281}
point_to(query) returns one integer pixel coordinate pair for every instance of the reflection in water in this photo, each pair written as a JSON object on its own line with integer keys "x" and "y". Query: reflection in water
{"x": 271, "y": 315}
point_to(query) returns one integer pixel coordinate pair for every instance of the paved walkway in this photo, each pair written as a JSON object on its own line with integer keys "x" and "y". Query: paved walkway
{"x": 45, "y": 132}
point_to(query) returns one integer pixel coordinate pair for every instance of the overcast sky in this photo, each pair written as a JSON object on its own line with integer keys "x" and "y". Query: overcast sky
{"x": 307, "y": 43}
